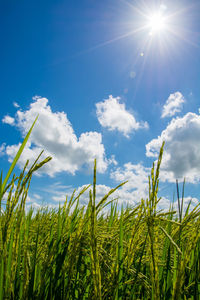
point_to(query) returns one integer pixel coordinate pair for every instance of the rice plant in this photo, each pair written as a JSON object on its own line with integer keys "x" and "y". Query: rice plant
{"x": 77, "y": 252}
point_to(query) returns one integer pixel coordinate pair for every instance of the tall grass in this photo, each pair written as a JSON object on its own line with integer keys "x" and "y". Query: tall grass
{"x": 76, "y": 252}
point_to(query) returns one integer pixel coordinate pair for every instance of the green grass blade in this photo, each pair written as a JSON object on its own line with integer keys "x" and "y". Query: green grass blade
{"x": 1, "y": 278}
{"x": 32, "y": 279}
{"x": 119, "y": 295}
{"x": 16, "y": 158}
{"x": 103, "y": 200}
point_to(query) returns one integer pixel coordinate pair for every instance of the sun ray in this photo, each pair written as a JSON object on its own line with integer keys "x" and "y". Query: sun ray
{"x": 117, "y": 38}
{"x": 181, "y": 37}
{"x": 146, "y": 54}
{"x": 154, "y": 23}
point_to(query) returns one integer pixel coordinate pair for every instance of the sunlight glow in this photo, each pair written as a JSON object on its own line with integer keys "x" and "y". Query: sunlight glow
{"x": 156, "y": 22}
{"x": 153, "y": 25}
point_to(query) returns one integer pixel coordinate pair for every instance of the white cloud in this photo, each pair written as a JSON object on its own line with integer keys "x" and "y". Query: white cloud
{"x": 8, "y": 120}
{"x": 137, "y": 176}
{"x": 173, "y": 105}
{"x": 54, "y": 133}
{"x": 121, "y": 196}
{"x": 2, "y": 149}
{"x": 194, "y": 203}
{"x": 59, "y": 192}
{"x": 101, "y": 191}
{"x": 34, "y": 205}
{"x": 130, "y": 193}
{"x": 181, "y": 156}
{"x": 113, "y": 115}
{"x": 164, "y": 204}
{"x": 15, "y": 104}
{"x": 36, "y": 196}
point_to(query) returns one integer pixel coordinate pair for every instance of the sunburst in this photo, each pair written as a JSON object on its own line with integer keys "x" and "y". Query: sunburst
{"x": 157, "y": 22}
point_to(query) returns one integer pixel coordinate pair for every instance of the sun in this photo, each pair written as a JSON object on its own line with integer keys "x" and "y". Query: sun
{"x": 153, "y": 25}
{"x": 156, "y": 22}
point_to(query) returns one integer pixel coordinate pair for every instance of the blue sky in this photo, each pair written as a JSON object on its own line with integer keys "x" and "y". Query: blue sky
{"x": 109, "y": 79}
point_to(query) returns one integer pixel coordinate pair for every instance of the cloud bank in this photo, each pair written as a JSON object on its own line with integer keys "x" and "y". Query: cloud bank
{"x": 54, "y": 133}
{"x": 181, "y": 156}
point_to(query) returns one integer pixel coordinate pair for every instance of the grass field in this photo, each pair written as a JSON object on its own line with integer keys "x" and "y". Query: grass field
{"x": 78, "y": 252}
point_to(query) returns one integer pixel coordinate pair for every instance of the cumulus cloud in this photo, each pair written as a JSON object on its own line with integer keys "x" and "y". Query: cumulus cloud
{"x": 173, "y": 105}
{"x": 165, "y": 203}
{"x": 8, "y": 120}
{"x": 113, "y": 115}
{"x": 181, "y": 156}
{"x": 137, "y": 177}
{"x": 122, "y": 196}
{"x": 131, "y": 193}
{"x": 54, "y": 133}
